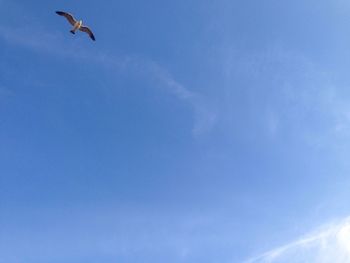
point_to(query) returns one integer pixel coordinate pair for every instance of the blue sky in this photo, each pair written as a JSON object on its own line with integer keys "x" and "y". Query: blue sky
{"x": 190, "y": 131}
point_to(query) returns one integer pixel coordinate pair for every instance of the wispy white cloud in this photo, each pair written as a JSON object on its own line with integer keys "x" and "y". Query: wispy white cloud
{"x": 299, "y": 98}
{"x": 330, "y": 244}
{"x": 41, "y": 40}
{"x": 35, "y": 39}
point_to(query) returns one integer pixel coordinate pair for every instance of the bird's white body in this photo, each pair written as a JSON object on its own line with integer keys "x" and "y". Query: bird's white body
{"x": 77, "y": 26}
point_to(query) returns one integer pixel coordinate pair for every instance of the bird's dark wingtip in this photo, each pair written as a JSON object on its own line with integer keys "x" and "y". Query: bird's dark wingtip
{"x": 59, "y": 12}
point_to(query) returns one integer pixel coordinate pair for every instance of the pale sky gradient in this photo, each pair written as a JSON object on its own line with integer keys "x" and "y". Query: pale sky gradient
{"x": 190, "y": 131}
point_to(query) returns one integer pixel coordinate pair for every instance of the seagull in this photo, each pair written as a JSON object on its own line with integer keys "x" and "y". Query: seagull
{"x": 77, "y": 25}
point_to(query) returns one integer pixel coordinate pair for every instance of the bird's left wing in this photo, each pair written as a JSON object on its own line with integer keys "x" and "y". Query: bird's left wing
{"x": 69, "y": 17}
{"x": 88, "y": 30}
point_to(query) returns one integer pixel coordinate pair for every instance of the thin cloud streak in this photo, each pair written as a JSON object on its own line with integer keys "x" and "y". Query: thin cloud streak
{"x": 204, "y": 113}
{"x": 331, "y": 244}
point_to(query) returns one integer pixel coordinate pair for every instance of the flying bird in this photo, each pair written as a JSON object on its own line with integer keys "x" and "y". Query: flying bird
{"x": 77, "y": 25}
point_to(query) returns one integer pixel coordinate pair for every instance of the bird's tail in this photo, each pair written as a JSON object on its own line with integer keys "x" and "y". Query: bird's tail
{"x": 72, "y": 31}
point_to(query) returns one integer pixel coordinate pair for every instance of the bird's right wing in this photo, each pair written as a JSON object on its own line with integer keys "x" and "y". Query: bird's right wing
{"x": 88, "y": 31}
{"x": 69, "y": 17}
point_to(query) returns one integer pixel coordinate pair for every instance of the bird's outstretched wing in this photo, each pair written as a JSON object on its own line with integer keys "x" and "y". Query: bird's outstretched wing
{"x": 87, "y": 30}
{"x": 69, "y": 17}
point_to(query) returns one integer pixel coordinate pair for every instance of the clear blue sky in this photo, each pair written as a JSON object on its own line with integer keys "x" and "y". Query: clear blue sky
{"x": 190, "y": 131}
